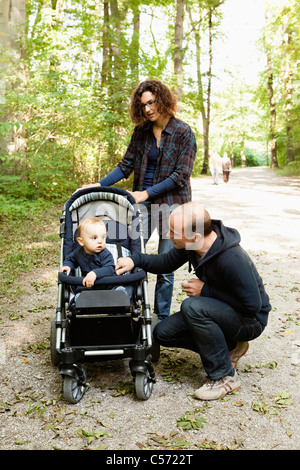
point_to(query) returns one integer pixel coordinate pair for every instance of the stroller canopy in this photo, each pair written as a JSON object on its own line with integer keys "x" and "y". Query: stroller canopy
{"x": 118, "y": 210}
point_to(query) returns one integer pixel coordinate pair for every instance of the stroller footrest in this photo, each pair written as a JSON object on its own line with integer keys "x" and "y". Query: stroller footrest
{"x": 102, "y": 299}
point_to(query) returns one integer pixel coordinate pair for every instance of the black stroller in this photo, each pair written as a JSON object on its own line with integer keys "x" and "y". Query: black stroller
{"x": 99, "y": 323}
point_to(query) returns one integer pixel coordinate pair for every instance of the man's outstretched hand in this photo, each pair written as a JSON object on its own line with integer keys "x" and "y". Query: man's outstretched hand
{"x": 123, "y": 265}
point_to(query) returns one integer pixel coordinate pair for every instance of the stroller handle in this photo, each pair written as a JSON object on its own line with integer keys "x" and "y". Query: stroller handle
{"x": 126, "y": 279}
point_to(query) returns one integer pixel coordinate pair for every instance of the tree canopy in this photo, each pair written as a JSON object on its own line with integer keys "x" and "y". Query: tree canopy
{"x": 68, "y": 67}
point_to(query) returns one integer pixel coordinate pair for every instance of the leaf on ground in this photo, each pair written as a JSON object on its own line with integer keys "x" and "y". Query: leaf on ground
{"x": 281, "y": 401}
{"x": 123, "y": 388}
{"x": 189, "y": 421}
{"x": 170, "y": 441}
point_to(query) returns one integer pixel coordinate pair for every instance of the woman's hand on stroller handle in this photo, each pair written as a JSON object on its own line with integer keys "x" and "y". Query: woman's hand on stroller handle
{"x": 139, "y": 196}
{"x": 91, "y": 185}
{"x": 123, "y": 265}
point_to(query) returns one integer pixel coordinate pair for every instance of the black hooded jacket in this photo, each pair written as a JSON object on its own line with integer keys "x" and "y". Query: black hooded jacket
{"x": 227, "y": 271}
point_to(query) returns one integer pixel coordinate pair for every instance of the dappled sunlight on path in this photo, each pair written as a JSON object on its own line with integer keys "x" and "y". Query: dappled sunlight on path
{"x": 265, "y": 208}
{"x": 262, "y": 205}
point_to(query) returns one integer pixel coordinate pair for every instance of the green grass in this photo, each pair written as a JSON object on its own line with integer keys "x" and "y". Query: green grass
{"x": 29, "y": 235}
{"x": 291, "y": 169}
{"x": 29, "y": 239}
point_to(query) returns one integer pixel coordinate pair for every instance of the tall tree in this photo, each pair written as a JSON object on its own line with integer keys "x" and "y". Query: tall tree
{"x": 272, "y": 105}
{"x": 203, "y": 20}
{"x": 105, "y": 74}
{"x": 288, "y": 76}
{"x": 178, "y": 50}
{"x": 12, "y": 22}
{"x": 135, "y": 43}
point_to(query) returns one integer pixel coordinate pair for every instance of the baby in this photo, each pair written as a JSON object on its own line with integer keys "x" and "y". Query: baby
{"x": 94, "y": 259}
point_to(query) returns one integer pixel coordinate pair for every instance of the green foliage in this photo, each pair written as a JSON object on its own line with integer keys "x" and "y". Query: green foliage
{"x": 284, "y": 45}
{"x": 291, "y": 169}
{"x": 252, "y": 158}
{"x": 73, "y": 129}
{"x": 65, "y": 118}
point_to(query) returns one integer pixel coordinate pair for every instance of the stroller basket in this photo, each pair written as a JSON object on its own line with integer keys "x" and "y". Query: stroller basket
{"x": 102, "y": 322}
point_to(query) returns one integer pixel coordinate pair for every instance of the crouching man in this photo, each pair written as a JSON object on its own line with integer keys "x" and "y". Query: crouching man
{"x": 227, "y": 305}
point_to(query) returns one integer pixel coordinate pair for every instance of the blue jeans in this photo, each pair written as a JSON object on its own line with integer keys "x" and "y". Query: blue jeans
{"x": 164, "y": 285}
{"x": 164, "y": 282}
{"x": 127, "y": 289}
{"x": 209, "y": 327}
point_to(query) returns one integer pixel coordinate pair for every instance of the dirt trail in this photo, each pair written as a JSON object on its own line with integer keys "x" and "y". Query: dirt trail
{"x": 264, "y": 414}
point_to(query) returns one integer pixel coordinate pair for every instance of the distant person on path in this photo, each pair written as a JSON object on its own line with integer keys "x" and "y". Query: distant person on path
{"x": 227, "y": 305}
{"x": 226, "y": 167}
{"x": 161, "y": 153}
{"x": 215, "y": 165}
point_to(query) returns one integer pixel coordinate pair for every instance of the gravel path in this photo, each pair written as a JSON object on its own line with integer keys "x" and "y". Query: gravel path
{"x": 264, "y": 414}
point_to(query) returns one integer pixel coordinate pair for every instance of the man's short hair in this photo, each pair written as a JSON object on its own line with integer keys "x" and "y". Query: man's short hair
{"x": 196, "y": 219}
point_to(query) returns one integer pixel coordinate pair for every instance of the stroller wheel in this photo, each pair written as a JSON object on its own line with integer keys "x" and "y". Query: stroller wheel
{"x": 143, "y": 385}
{"x": 74, "y": 388}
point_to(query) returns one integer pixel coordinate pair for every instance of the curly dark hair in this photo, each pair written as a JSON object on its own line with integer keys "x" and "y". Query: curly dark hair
{"x": 165, "y": 99}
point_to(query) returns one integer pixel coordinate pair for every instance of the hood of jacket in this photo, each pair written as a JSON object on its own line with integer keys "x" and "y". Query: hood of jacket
{"x": 227, "y": 238}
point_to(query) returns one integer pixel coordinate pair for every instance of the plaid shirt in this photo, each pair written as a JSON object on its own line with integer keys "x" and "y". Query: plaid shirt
{"x": 176, "y": 159}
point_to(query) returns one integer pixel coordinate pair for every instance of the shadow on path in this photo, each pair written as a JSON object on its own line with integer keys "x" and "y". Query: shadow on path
{"x": 263, "y": 206}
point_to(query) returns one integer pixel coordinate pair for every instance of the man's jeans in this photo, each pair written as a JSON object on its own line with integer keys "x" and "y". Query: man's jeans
{"x": 164, "y": 285}
{"x": 164, "y": 282}
{"x": 209, "y": 327}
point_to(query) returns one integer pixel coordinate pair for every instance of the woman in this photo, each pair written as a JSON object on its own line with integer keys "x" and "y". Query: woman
{"x": 161, "y": 153}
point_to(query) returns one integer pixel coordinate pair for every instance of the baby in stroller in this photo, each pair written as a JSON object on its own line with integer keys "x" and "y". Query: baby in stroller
{"x": 92, "y": 256}
{"x": 99, "y": 315}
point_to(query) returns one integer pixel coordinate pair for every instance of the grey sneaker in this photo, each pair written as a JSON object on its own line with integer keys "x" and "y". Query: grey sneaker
{"x": 215, "y": 389}
{"x": 239, "y": 351}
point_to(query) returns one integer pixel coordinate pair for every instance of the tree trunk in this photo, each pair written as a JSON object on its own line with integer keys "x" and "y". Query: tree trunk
{"x": 205, "y": 110}
{"x": 135, "y": 45}
{"x": 105, "y": 45}
{"x": 12, "y": 22}
{"x": 178, "y": 52}
{"x": 205, "y": 126}
{"x": 287, "y": 80}
{"x": 274, "y": 162}
{"x": 12, "y": 19}
{"x": 207, "y": 120}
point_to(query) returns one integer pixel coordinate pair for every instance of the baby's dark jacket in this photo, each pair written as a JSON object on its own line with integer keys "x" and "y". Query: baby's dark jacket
{"x": 101, "y": 263}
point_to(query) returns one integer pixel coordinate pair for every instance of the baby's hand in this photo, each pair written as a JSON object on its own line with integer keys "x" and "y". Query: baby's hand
{"x": 65, "y": 269}
{"x": 89, "y": 279}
